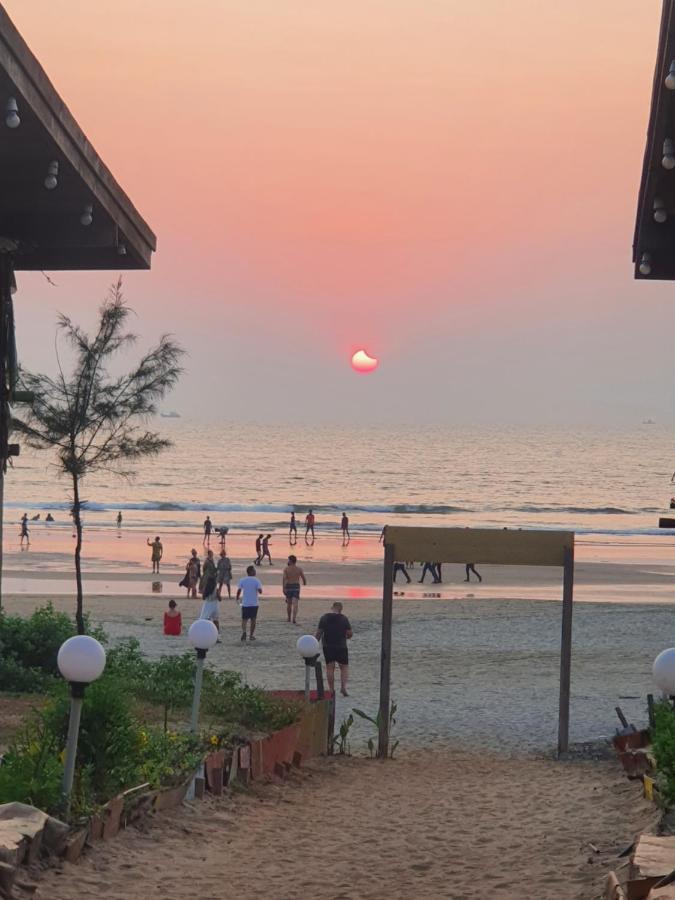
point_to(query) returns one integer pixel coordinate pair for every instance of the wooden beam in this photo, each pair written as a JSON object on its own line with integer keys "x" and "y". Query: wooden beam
{"x": 385, "y": 652}
{"x": 491, "y": 546}
{"x": 566, "y": 652}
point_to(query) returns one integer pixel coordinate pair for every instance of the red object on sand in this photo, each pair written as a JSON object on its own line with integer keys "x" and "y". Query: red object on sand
{"x": 173, "y": 625}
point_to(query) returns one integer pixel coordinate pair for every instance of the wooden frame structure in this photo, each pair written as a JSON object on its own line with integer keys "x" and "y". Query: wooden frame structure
{"x": 477, "y": 545}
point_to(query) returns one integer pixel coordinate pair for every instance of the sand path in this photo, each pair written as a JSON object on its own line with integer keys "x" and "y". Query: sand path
{"x": 433, "y": 824}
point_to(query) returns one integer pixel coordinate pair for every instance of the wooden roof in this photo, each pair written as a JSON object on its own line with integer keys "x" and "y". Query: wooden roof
{"x": 657, "y": 183}
{"x": 41, "y": 227}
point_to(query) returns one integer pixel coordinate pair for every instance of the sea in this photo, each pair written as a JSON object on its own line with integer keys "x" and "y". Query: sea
{"x": 609, "y": 483}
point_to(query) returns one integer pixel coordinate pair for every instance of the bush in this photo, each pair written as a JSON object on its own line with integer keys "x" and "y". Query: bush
{"x": 31, "y": 771}
{"x": 663, "y": 747}
{"x": 31, "y": 644}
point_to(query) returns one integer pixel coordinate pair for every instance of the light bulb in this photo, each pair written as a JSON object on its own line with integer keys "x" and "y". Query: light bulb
{"x": 660, "y": 212}
{"x": 122, "y": 250}
{"x": 670, "y": 77}
{"x": 52, "y": 175}
{"x": 12, "y": 119}
{"x": 645, "y": 266}
{"x": 87, "y": 216}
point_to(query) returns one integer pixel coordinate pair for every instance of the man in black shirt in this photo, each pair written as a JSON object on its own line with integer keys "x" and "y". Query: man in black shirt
{"x": 334, "y": 631}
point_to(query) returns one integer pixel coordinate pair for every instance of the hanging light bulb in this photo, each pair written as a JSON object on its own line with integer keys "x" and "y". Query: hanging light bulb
{"x": 668, "y": 161}
{"x": 12, "y": 119}
{"x": 87, "y": 216}
{"x": 52, "y": 175}
{"x": 645, "y": 266}
{"x": 670, "y": 77}
{"x": 121, "y": 249}
{"x": 660, "y": 212}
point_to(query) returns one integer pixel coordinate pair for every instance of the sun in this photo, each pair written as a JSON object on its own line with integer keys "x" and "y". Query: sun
{"x": 363, "y": 362}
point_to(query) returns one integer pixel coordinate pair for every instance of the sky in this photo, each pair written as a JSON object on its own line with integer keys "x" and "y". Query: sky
{"x": 451, "y": 185}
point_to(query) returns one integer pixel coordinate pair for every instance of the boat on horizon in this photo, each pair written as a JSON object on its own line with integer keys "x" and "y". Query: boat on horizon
{"x": 170, "y": 415}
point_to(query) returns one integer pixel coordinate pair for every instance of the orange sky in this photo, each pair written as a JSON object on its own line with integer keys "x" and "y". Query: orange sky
{"x": 424, "y": 177}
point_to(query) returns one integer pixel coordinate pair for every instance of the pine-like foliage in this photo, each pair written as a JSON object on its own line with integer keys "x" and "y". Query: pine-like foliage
{"x": 95, "y": 420}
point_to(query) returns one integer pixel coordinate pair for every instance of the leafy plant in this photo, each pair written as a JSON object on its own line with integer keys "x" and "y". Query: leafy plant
{"x": 91, "y": 419}
{"x": 663, "y": 748}
{"x": 376, "y": 721}
{"x": 31, "y": 771}
{"x": 341, "y": 739}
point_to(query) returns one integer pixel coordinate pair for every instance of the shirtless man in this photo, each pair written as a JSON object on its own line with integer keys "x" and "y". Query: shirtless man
{"x": 157, "y": 553}
{"x": 290, "y": 583}
{"x": 309, "y": 525}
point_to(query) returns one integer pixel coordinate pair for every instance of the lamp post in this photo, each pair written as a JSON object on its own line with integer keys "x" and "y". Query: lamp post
{"x": 663, "y": 671}
{"x": 308, "y": 647}
{"x": 203, "y": 635}
{"x": 81, "y": 660}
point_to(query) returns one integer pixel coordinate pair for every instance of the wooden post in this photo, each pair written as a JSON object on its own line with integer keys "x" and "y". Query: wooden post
{"x": 385, "y": 652}
{"x": 566, "y": 652}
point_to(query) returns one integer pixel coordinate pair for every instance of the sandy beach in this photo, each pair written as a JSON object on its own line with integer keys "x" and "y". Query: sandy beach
{"x": 429, "y": 825}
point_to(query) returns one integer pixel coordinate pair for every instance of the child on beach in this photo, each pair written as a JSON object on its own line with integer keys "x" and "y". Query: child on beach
{"x": 173, "y": 622}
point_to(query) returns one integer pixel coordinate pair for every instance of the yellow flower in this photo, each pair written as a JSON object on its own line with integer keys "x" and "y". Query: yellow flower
{"x": 214, "y": 740}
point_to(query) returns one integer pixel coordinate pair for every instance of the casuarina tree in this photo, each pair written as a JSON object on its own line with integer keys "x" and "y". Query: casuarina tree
{"x": 94, "y": 419}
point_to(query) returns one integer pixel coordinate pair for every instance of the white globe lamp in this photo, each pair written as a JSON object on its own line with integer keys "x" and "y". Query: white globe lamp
{"x": 81, "y": 659}
{"x": 203, "y": 635}
{"x": 663, "y": 671}
{"x": 308, "y": 646}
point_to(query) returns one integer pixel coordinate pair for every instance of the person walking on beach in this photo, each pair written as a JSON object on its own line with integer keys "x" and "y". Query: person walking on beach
{"x": 157, "y": 553}
{"x": 258, "y": 549}
{"x": 193, "y": 573}
{"x": 208, "y": 525}
{"x": 292, "y": 530}
{"x": 119, "y": 519}
{"x": 208, "y": 586}
{"x": 429, "y": 567}
{"x": 266, "y": 549}
{"x": 290, "y": 584}
{"x": 24, "y": 530}
{"x": 471, "y": 568}
{"x": 400, "y": 567}
{"x": 173, "y": 621}
{"x": 344, "y": 526}
{"x": 309, "y": 525}
{"x": 334, "y": 631}
{"x": 224, "y": 571}
{"x": 249, "y": 589}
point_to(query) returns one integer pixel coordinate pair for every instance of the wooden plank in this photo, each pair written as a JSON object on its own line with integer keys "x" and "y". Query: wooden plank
{"x": 613, "y": 888}
{"x": 385, "y": 652}
{"x": 654, "y": 857}
{"x": 491, "y": 546}
{"x": 566, "y": 651}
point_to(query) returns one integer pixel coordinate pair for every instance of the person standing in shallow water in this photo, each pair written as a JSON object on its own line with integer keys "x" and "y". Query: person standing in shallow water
{"x": 292, "y": 530}
{"x": 208, "y": 525}
{"x": 344, "y": 526}
{"x": 24, "y": 530}
{"x": 119, "y": 519}
{"x": 309, "y": 525}
{"x": 266, "y": 548}
{"x": 157, "y": 553}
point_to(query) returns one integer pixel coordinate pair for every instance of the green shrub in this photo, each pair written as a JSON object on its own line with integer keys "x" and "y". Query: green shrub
{"x": 167, "y": 758}
{"x": 663, "y": 748}
{"x": 31, "y": 770}
{"x": 31, "y": 644}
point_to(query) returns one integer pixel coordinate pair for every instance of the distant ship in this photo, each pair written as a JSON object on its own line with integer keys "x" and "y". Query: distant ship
{"x": 170, "y": 415}
{"x": 648, "y": 422}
